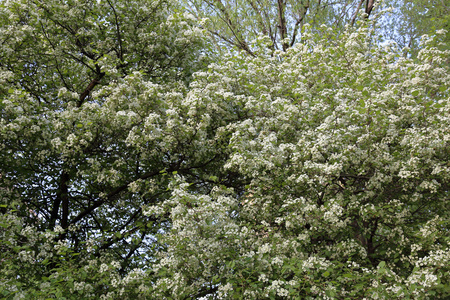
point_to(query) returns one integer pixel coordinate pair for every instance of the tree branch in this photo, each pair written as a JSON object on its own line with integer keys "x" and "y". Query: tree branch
{"x": 300, "y": 19}
{"x": 282, "y": 23}
{"x": 91, "y": 86}
{"x": 369, "y": 7}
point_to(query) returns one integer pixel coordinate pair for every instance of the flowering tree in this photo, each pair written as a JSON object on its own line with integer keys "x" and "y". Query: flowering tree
{"x": 317, "y": 172}
{"x": 346, "y": 151}
{"x": 92, "y": 128}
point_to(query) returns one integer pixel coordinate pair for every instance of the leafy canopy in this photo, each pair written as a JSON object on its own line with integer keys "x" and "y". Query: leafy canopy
{"x": 130, "y": 170}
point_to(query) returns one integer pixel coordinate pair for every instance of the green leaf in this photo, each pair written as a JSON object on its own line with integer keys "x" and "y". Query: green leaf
{"x": 326, "y": 274}
{"x": 415, "y": 93}
{"x": 381, "y": 264}
{"x": 330, "y": 293}
{"x": 442, "y": 88}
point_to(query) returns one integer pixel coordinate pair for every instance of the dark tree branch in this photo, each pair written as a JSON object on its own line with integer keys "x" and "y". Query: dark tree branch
{"x": 240, "y": 42}
{"x": 369, "y": 7}
{"x": 62, "y": 197}
{"x": 124, "y": 187}
{"x": 299, "y": 22}
{"x": 119, "y": 36}
{"x": 356, "y": 13}
{"x": 91, "y": 86}
{"x": 282, "y": 23}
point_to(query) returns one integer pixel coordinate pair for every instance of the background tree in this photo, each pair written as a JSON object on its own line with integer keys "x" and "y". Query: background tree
{"x": 410, "y": 20}
{"x": 238, "y": 23}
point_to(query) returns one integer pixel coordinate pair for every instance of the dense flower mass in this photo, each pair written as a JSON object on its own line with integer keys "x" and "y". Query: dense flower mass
{"x": 132, "y": 168}
{"x": 345, "y": 151}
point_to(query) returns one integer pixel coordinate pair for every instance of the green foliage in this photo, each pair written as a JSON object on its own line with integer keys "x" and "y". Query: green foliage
{"x": 234, "y": 23}
{"x": 413, "y": 19}
{"x": 346, "y": 150}
{"x": 130, "y": 170}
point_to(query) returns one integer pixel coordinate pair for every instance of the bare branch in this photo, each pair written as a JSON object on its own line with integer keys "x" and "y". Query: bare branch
{"x": 299, "y": 23}
{"x": 356, "y": 13}
{"x": 282, "y": 23}
{"x": 369, "y": 7}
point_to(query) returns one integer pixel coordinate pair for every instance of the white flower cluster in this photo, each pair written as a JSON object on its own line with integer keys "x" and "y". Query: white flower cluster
{"x": 319, "y": 171}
